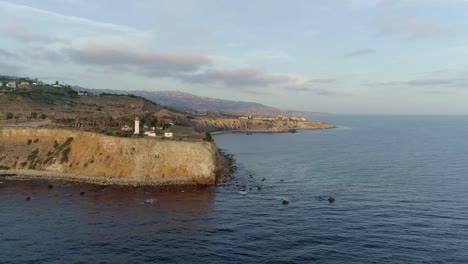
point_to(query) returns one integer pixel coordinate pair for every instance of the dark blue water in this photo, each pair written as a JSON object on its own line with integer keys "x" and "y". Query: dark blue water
{"x": 400, "y": 184}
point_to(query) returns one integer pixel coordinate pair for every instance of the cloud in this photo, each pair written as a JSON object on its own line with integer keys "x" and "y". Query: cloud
{"x": 439, "y": 82}
{"x": 322, "y": 81}
{"x": 414, "y": 28}
{"x": 359, "y": 52}
{"x": 317, "y": 91}
{"x": 45, "y": 14}
{"x": 6, "y": 54}
{"x": 239, "y": 77}
{"x": 455, "y": 82}
{"x": 39, "y": 54}
{"x": 151, "y": 64}
{"x": 23, "y": 34}
{"x": 9, "y": 69}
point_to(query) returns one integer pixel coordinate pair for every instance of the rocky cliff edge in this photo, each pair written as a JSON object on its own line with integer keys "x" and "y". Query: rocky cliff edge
{"x": 96, "y": 158}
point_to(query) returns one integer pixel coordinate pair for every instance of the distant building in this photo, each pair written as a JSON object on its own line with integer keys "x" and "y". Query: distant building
{"x": 56, "y": 85}
{"x": 150, "y": 134}
{"x": 243, "y": 117}
{"x": 84, "y": 93}
{"x": 126, "y": 128}
{"x": 1, "y": 84}
{"x": 11, "y": 85}
{"x": 168, "y": 134}
{"x": 23, "y": 85}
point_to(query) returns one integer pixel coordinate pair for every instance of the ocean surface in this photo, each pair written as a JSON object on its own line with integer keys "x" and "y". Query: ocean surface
{"x": 400, "y": 185}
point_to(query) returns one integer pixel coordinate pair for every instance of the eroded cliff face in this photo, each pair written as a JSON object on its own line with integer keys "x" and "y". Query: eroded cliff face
{"x": 95, "y": 157}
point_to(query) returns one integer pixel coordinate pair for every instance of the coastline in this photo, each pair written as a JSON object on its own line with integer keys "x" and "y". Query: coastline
{"x": 22, "y": 174}
{"x": 260, "y": 131}
{"x": 223, "y": 166}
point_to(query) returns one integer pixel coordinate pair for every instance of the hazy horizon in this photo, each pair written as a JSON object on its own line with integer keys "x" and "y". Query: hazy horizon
{"x": 339, "y": 57}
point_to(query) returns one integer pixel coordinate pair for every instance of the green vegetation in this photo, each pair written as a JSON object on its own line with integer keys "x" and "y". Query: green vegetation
{"x": 46, "y": 94}
{"x": 65, "y": 153}
{"x": 33, "y": 155}
{"x": 114, "y": 131}
{"x": 9, "y": 116}
{"x": 208, "y": 137}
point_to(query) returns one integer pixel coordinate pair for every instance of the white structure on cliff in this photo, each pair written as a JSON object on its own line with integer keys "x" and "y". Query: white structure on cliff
{"x": 137, "y": 125}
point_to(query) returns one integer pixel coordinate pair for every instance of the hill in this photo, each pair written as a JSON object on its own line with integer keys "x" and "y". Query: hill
{"x": 187, "y": 102}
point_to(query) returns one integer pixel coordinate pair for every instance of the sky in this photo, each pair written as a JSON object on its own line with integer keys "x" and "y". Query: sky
{"x": 333, "y": 56}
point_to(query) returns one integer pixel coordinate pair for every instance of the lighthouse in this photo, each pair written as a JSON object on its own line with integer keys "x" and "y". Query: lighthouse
{"x": 137, "y": 125}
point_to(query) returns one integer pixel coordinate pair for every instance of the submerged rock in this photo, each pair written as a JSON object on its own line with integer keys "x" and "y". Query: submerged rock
{"x": 50, "y": 187}
{"x": 331, "y": 199}
{"x": 285, "y": 201}
{"x": 28, "y": 198}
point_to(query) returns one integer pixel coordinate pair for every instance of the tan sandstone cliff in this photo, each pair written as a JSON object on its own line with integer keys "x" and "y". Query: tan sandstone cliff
{"x": 91, "y": 157}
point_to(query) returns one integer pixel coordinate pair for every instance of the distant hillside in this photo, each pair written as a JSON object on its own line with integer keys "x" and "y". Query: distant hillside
{"x": 187, "y": 102}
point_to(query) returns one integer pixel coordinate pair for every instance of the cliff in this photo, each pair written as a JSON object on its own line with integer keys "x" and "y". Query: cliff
{"x": 253, "y": 125}
{"x": 91, "y": 157}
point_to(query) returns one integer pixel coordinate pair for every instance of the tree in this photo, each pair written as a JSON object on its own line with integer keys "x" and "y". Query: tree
{"x": 56, "y": 83}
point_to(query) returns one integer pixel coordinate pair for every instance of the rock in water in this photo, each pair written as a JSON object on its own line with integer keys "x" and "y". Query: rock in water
{"x": 331, "y": 199}
{"x": 28, "y": 198}
{"x": 82, "y": 193}
{"x": 285, "y": 201}
{"x": 50, "y": 187}
{"x": 150, "y": 201}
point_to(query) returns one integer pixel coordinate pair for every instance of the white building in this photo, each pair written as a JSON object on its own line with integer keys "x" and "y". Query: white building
{"x": 168, "y": 134}
{"x": 150, "y": 134}
{"x": 24, "y": 85}
{"x": 1, "y": 84}
{"x": 11, "y": 85}
{"x": 137, "y": 125}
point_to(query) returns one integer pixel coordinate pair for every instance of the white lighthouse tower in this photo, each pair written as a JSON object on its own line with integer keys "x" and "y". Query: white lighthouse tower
{"x": 137, "y": 125}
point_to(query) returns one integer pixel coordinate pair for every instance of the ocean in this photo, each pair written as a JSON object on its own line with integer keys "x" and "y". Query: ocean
{"x": 400, "y": 185}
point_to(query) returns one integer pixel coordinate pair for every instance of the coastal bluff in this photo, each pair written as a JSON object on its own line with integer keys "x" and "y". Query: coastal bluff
{"x": 97, "y": 158}
{"x": 233, "y": 124}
